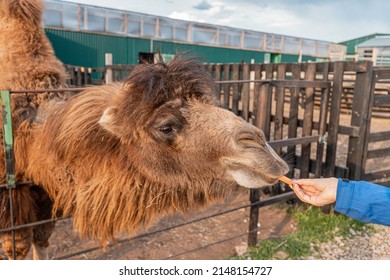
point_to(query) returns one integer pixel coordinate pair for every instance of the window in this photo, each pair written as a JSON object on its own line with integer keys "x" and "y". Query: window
{"x": 116, "y": 22}
{"x": 95, "y": 19}
{"x": 149, "y": 26}
{"x": 134, "y": 25}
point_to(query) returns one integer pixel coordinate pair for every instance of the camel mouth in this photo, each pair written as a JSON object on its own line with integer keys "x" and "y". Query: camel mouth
{"x": 251, "y": 177}
{"x": 271, "y": 179}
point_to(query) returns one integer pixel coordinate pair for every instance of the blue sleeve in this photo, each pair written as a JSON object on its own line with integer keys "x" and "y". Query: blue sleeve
{"x": 363, "y": 201}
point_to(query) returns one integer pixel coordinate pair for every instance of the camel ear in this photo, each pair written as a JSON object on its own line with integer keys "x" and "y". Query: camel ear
{"x": 110, "y": 122}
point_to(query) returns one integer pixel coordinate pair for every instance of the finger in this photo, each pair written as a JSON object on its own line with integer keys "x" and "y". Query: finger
{"x": 309, "y": 190}
{"x": 301, "y": 194}
{"x": 307, "y": 182}
{"x": 310, "y": 193}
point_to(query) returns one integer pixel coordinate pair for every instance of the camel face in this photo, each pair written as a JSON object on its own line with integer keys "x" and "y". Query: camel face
{"x": 229, "y": 147}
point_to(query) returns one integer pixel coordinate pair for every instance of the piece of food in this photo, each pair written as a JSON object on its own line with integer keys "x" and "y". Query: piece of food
{"x": 286, "y": 180}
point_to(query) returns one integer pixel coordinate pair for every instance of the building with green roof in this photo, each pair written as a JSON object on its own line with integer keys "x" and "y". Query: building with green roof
{"x": 82, "y": 35}
{"x": 352, "y": 52}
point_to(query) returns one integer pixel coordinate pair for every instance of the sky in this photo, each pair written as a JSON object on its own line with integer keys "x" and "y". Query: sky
{"x": 327, "y": 20}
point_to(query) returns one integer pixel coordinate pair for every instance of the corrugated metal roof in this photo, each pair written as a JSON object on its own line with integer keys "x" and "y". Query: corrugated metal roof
{"x": 382, "y": 41}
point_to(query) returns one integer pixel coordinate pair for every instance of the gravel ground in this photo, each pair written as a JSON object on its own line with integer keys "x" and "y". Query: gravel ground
{"x": 359, "y": 246}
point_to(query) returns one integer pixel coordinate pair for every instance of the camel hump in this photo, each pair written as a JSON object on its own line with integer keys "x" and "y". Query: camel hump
{"x": 24, "y": 10}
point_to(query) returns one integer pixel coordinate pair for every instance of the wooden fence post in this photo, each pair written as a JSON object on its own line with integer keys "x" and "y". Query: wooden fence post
{"x": 262, "y": 119}
{"x": 362, "y": 100}
{"x": 293, "y": 115}
{"x": 226, "y": 87}
{"x": 245, "y": 96}
{"x": 324, "y": 104}
{"x": 253, "y": 217}
{"x": 235, "y": 68}
{"x": 308, "y": 120}
{"x": 279, "y": 110}
{"x": 334, "y": 116}
{"x": 79, "y": 81}
{"x": 109, "y": 74}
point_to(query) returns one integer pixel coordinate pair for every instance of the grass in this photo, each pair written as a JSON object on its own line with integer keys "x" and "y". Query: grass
{"x": 313, "y": 227}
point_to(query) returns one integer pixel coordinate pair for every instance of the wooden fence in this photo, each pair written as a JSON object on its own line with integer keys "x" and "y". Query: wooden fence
{"x": 317, "y": 114}
{"x": 83, "y": 76}
{"x": 375, "y": 160}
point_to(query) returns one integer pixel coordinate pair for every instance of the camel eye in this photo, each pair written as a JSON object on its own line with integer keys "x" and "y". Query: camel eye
{"x": 166, "y": 129}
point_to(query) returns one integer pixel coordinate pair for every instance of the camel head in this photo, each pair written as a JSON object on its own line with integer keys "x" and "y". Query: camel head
{"x": 169, "y": 120}
{"x": 23, "y": 11}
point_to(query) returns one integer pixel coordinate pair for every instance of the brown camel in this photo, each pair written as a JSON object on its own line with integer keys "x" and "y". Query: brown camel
{"x": 118, "y": 156}
{"x": 27, "y": 61}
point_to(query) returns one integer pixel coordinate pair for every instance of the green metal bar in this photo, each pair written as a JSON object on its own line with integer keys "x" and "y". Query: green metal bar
{"x": 8, "y": 139}
{"x": 9, "y": 156}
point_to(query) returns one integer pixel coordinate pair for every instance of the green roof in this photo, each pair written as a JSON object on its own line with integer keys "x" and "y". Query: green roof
{"x": 351, "y": 44}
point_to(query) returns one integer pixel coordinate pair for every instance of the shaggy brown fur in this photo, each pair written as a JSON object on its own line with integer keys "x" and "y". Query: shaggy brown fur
{"x": 117, "y": 156}
{"x": 27, "y": 62}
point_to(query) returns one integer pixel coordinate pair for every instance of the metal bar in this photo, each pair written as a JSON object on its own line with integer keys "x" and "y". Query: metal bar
{"x": 294, "y": 141}
{"x": 258, "y": 204}
{"x": 21, "y": 184}
{"x": 33, "y": 224}
{"x": 9, "y": 156}
{"x": 210, "y": 244}
{"x": 46, "y": 90}
{"x": 8, "y": 139}
{"x": 284, "y": 83}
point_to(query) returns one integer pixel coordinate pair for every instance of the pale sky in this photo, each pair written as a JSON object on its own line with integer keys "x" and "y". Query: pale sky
{"x": 328, "y": 20}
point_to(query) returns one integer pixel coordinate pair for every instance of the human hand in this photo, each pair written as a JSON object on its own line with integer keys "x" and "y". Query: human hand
{"x": 318, "y": 192}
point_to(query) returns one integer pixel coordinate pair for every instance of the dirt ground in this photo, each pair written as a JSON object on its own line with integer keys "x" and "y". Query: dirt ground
{"x": 193, "y": 241}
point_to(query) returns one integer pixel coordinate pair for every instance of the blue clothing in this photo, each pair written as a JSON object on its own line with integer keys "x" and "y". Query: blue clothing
{"x": 363, "y": 201}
